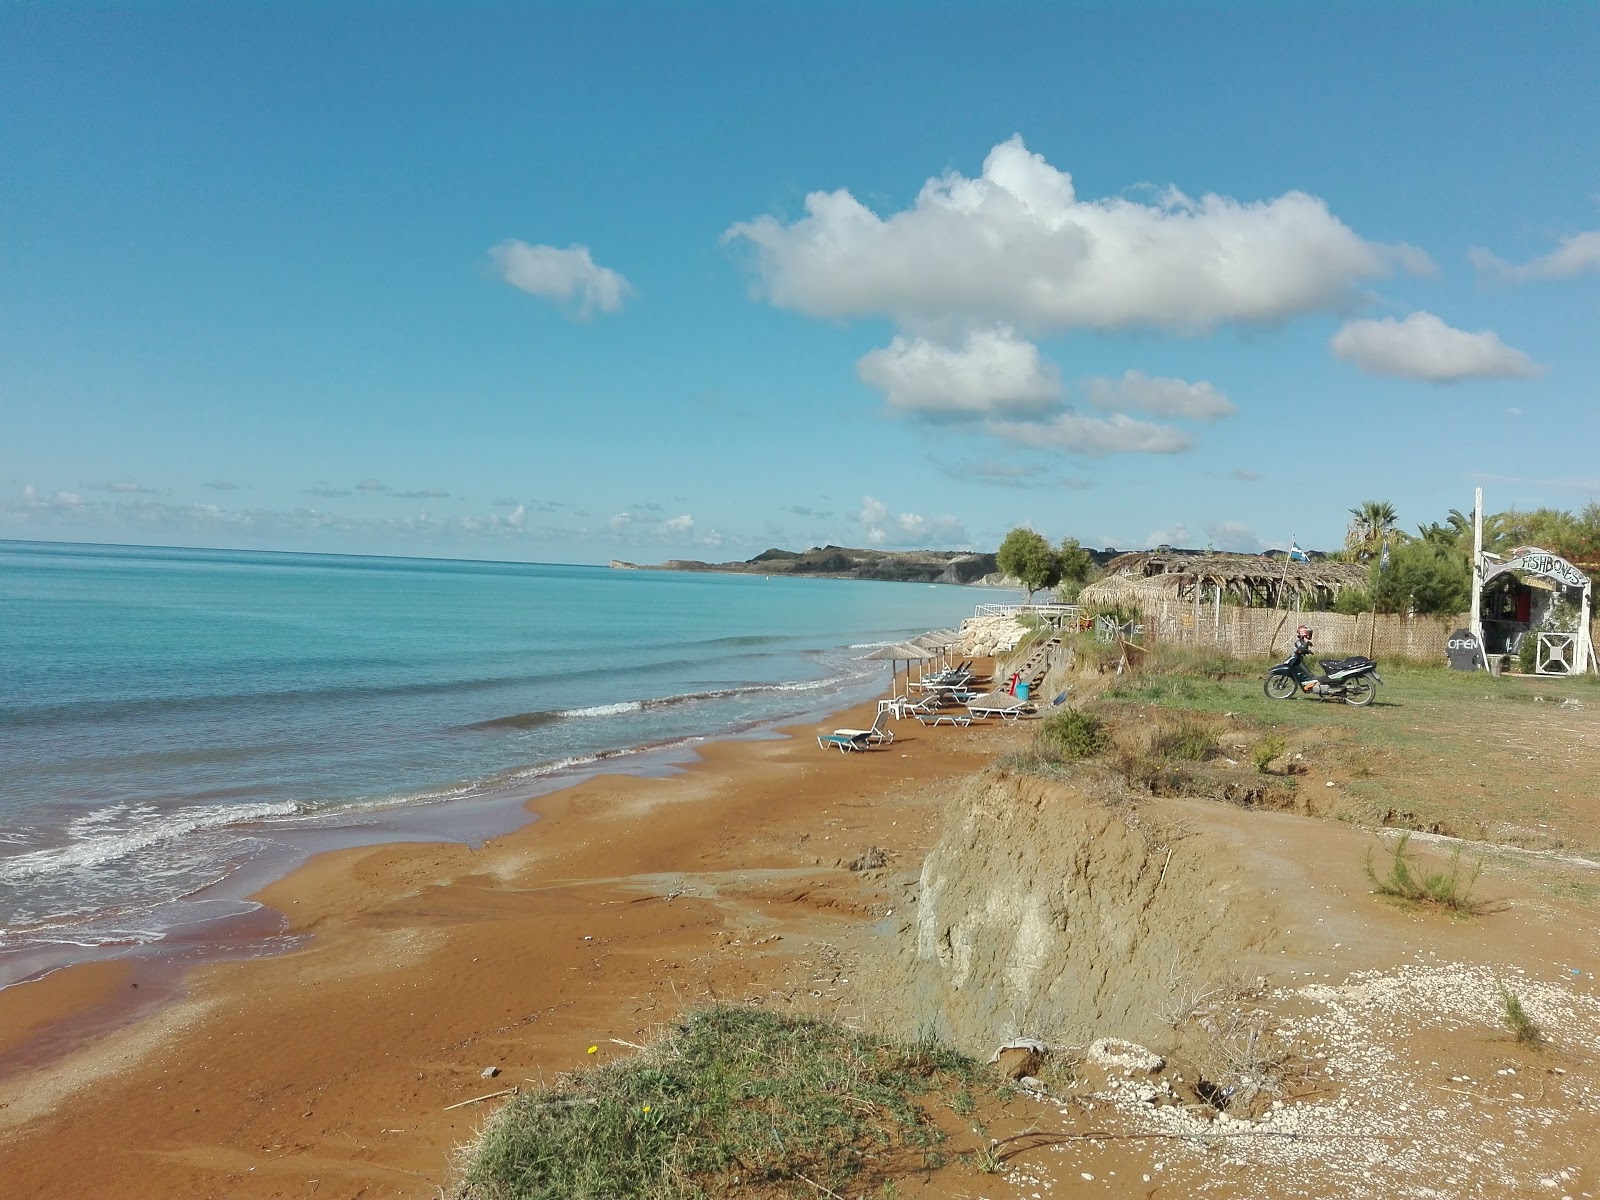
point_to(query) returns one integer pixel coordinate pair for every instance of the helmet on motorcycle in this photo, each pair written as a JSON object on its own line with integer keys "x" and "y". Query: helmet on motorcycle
{"x": 1304, "y": 633}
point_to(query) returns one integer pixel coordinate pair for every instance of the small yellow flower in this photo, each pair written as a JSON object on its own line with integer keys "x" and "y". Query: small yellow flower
{"x": 646, "y": 1108}
{"x": 592, "y": 1050}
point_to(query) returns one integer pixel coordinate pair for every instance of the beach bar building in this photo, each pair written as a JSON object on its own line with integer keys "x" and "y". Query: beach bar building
{"x": 1200, "y": 578}
{"x": 1530, "y": 593}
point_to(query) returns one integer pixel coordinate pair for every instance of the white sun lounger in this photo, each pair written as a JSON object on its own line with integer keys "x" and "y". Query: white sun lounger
{"x": 880, "y": 731}
{"x": 999, "y": 704}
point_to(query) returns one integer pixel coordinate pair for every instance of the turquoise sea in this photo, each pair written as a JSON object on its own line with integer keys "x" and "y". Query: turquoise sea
{"x": 178, "y": 725}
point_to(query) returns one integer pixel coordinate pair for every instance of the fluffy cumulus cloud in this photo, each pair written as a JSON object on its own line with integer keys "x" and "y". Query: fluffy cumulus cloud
{"x": 1076, "y": 433}
{"x": 989, "y": 372}
{"x": 569, "y": 276}
{"x": 883, "y": 527}
{"x": 1574, "y": 255}
{"x": 1000, "y": 380}
{"x": 1423, "y": 347}
{"x": 1019, "y": 246}
{"x": 1138, "y": 392}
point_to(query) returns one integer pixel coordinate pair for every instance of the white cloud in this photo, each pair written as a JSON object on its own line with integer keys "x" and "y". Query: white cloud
{"x": 1094, "y": 436}
{"x": 1573, "y": 255}
{"x": 1018, "y": 246}
{"x": 126, "y": 488}
{"x": 1245, "y": 475}
{"x": 567, "y": 276}
{"x": 1138, "y": 392}
{"x": 620, "y": 522}
{"x": 991, "y": 372}
{"x": 679, "y": 526}
{"x": 1234, "y": 536}
{"x": 372, "y": 485}
{"x": 885, "y": 527}
{"x": 1177, "y": 536}
{"x": 1424, "y": 347}
{"x": 517, "y": 518}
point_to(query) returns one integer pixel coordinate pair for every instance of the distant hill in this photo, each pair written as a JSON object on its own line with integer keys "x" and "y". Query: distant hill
{"x": 842, "y": 562}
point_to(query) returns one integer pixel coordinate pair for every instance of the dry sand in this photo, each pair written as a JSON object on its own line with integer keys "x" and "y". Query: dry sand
{"x": 330, "y": 1071}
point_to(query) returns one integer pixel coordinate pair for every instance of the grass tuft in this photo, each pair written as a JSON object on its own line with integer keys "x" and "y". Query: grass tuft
{"x": 1515, "y": 1018}
{"x": 730, "y": 1100}
{"x": 1450, "y": 888}
{"x": 1189, "y": 740}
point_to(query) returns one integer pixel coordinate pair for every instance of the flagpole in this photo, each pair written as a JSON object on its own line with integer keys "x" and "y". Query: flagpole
{"x": 1282, "y": 583}
{"x": 1372, "y": 617}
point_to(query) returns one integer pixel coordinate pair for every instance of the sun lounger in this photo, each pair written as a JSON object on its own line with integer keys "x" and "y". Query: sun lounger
{"x": 999, "y": 704}
{"x": 943, "y": 718}
{"x": 880, "y": 731}
{"x": 842, "y": 742}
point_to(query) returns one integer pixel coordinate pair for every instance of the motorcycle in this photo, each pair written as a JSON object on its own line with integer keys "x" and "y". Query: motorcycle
{"x": 1354, "y": 680}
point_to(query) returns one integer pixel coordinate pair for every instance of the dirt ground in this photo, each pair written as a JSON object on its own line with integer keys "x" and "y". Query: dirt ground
{"x": 1375, "y": 1029}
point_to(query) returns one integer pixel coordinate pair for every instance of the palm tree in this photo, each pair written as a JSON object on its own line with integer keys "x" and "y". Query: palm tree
{"x": 1371, "y": 522}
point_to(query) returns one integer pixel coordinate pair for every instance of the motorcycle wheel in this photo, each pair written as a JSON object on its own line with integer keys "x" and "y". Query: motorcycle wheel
{"x": 1360, "y": 690}
{"x": 1279, "y": 687}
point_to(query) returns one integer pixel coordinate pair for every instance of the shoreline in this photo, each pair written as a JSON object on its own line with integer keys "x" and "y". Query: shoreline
{"x": 470, "y": 819}
{"x": 562, "y": 865}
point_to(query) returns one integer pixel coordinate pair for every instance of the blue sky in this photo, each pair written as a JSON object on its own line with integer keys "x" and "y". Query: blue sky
{"x": 575, "y": 282}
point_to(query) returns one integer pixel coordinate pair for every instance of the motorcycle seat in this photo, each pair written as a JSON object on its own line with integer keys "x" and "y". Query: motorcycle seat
{"x": 1344, "y": 664}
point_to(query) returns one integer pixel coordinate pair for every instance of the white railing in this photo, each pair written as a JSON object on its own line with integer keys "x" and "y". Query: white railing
{"x": 1050, "y": 612}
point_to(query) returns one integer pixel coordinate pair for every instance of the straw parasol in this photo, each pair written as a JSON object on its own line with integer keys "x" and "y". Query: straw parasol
{"x": 896, "y": 651}
{"x": 939, "y": 640}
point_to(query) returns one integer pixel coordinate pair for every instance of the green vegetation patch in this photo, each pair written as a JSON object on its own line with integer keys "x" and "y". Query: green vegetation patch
{"x": 1072, "y": 735}
{"x": 730, "y": 1101}
{"x": 1449, "y": 889}
{"x": 1516, "y": 1019}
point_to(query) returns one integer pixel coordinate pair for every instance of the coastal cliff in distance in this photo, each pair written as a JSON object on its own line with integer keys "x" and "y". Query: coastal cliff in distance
{"x": 841, "y": 562}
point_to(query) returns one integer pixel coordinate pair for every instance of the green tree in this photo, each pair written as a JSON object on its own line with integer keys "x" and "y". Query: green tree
{"x": 1574, "y": 536}
{"x": 1371, "y": 522}
{"x": 1028, "y": 558}
{"x": 1422, "y": 577}
{"x": 1076, "y": 569}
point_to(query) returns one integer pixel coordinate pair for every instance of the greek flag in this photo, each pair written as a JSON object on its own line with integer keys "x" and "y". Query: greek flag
{"x": 1296, "y": 554}
{"x": 1383, "y": 556}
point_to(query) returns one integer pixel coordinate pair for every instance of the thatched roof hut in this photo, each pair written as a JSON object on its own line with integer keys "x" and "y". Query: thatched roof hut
{"x": 1257, "y": 582}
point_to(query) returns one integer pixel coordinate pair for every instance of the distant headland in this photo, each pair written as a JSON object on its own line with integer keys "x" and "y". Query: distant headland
{"x": 842, "y": 562}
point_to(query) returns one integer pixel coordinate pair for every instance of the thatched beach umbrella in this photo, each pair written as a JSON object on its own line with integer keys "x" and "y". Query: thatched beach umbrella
{"x": 939, "y": 640}
{"x": 896, "y": 651}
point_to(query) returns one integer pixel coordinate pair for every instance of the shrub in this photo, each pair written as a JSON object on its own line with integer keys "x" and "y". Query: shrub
{"x": 1353, "y": 601}
{"x": 1071, "y": 735}
{"x": 1449, "y": 888}
{"x": 1527, "y": 653}
{"x": 1269, "y": 748}
{"x": 1515, "y": 1018}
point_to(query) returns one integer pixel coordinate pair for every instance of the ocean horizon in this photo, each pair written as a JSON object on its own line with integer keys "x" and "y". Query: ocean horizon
{"x": 172, "y": 719}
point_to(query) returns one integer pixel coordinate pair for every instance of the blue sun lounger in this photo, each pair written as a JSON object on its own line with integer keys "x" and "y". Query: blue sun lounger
{"x": 844, "y": 742}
